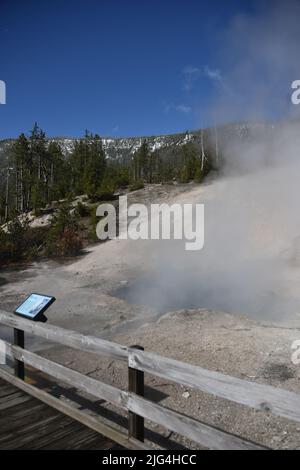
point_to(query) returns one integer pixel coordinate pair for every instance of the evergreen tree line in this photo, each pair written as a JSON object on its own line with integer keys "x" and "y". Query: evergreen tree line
{"x": 182, "y": 164}
{"x": 39, "y": 173}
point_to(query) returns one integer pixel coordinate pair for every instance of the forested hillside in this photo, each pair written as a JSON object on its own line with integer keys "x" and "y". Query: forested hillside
{"x": 62, "y": 180}
{"x": 50, "y": 188}
{"x": 37, "y": 170}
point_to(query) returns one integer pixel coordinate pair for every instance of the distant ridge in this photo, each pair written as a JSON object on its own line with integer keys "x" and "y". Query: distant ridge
{"x": 125, "y": 147}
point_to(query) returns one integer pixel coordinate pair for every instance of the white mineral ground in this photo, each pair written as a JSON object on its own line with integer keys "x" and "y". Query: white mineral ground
{"x": 244, "y": 287}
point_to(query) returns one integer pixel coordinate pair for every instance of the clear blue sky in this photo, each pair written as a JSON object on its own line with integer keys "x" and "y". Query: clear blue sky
{"x": 118, "y": 67}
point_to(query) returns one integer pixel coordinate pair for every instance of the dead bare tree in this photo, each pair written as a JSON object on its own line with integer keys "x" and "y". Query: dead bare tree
{"x": 203, "y": 157}
{"x": 217, "y": 146}
{"x": 7, "y": 194}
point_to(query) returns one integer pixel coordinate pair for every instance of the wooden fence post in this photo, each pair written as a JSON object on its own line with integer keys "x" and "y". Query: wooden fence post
{"x": 136, "y": 385}
{"x": 19, "y": 341}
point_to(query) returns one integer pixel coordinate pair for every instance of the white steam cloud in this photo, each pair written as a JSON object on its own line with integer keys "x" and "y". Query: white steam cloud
{"x": 258, "y": 57}
{"x": 251, "y": 260}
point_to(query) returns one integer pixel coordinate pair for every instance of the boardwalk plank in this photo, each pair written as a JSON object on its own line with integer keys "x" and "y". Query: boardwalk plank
{"x": 16, "y": 401}
{"x": 6, "y": 390}
{"x": 94, "y": 422}
{"x": 27, "y": 423}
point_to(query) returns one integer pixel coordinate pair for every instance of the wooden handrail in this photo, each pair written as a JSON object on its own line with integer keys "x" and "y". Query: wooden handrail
{"x": 66, "y": 337}
{"x": 207, "y": 436}
{"x": 69, "y": 376}
{"x": 259, "y": 396}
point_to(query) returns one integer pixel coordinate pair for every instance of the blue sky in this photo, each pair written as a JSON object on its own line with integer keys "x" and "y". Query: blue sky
{"x": 118, "y": 67}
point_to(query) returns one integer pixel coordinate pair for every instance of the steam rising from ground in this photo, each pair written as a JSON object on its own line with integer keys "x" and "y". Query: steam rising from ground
{"x": 258, "y": 61}
{"x": 251, "y": 260}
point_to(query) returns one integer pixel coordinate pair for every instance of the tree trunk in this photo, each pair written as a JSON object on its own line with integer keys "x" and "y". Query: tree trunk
{"x": 217, "y": 147}
{"x": 6, "y": 195}
{"x": 203, "y": 158}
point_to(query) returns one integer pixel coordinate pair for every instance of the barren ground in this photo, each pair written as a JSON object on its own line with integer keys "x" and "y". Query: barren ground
{"x": 253, "y": 349}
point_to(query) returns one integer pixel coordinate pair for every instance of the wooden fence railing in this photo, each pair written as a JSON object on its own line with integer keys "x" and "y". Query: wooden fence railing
{"x": 262, "y": 397}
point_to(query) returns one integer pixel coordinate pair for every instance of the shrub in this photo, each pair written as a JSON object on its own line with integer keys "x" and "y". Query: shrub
{"x": 63, "y": 238}
{"x": 20, "y": 241}
{"x": 5, "y": 247}
{"x": 198, "y": 175}
{"x": 69, "y": 243}
{"x": 104, "y": 196}
{"x": 184, "y": 176}
{"x": 139, "y": 184}
{"x": 123, "y": 178}
{"x": 17, "y": 238}
{"x": 82, "y": 210}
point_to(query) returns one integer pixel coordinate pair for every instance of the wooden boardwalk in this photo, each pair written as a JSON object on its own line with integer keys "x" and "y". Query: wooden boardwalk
{"x": 27, "y": 423}
{"x": 28, "y": 419}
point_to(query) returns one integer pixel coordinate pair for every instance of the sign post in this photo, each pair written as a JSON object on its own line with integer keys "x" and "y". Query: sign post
{"x": 32, "y": 308}
{"x": 19, "y": 341}
{"x": 136, "y": 385}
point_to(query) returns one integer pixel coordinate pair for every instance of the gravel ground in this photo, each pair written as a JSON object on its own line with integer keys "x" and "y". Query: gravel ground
{"x": 236, "y": 346}
{"x": 88, "y": 301}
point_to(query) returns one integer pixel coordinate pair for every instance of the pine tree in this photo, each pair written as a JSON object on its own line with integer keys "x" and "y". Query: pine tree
{"x": 22, "y": 162}
{"x": 59, "y": 178}
{"x": 142, "y": 162}
{"x": 38, "y": 152}
{"x": 88, "y": 165}
{"x": 95, "y": 165}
